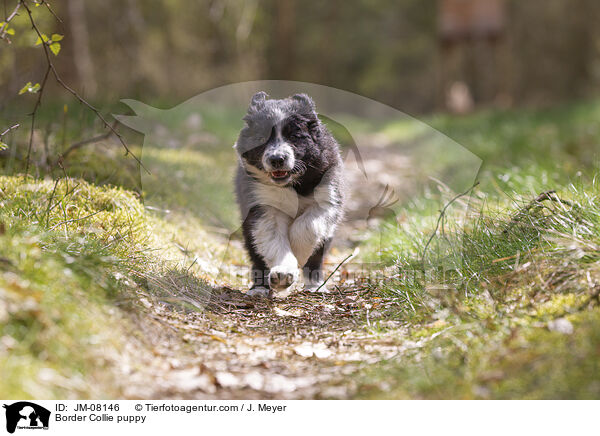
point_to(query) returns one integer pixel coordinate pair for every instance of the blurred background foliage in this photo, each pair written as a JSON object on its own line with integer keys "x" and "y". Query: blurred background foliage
{"x": 416, "y": 55}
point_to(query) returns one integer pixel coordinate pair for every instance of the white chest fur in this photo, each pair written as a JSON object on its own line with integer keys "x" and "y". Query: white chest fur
{"x": 291, "y": 222}
{"x": 284, "y": 199}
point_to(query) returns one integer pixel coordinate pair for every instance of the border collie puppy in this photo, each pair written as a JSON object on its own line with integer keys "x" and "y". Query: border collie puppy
{"x": 289, "y": 189}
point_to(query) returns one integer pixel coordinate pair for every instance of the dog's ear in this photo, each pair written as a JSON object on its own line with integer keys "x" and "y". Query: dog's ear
{"x": 306, "y": 107}
{"x": 305, "y": 104}
{"x": 257, "y": 101}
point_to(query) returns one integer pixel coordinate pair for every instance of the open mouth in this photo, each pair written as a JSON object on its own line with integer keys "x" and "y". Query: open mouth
{"x": 279, "y": 175}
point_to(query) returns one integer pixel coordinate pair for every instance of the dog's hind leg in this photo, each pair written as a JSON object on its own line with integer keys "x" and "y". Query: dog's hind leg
{"x": 313, "y": 269}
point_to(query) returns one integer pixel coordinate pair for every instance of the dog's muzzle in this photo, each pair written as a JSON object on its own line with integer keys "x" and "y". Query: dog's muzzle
{"x": 278, "y": 162}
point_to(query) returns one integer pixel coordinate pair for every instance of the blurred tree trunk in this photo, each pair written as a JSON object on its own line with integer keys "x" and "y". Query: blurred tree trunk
{"x": 285, "y": 28}
{"x": 136, "y": 22}
{"x": 81, "y": 47}
{"x": 477, "y": 30}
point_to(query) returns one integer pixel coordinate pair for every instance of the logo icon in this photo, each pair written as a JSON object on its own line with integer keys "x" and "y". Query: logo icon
{"x": 26, "y": 415}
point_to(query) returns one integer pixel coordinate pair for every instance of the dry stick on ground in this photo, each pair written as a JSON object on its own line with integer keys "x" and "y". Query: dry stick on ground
{"x": 442, "y": 215}
{"x": 333, "y": 272}
{"x": 548, "y": 195}
{"x": 74, "y": 220}
{"x": 70, "y": 90}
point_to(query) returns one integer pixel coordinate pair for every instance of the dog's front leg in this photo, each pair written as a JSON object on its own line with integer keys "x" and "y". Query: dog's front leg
{"x": 309, "y": 232}
{"x": 270, "y": 238}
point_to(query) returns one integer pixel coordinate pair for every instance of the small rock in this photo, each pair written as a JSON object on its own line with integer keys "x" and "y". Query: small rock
{"x": 561, "y": 325}
{"x": 307, "y": 349}
{"x": 227, "y": 379}
{"x": 255, "y": 380}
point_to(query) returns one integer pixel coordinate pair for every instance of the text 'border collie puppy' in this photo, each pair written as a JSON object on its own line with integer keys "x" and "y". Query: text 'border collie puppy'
{"x": 289, "y": 189}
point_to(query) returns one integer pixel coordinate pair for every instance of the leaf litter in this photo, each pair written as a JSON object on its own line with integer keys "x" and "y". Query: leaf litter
{"x": 231, "y": 346}
{"x": 304, "y": 346}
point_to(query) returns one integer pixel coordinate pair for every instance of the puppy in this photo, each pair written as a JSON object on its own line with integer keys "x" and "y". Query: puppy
{"x": 289, "y": 186}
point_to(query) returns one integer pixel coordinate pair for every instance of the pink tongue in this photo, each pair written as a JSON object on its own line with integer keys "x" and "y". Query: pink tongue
{"x": 279, "y": 173}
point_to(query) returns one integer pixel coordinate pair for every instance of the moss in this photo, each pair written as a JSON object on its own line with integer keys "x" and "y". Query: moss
{"x": 558, "y": 305}
{"x": 69, "y": 253}
{"x": 53, "y": 313}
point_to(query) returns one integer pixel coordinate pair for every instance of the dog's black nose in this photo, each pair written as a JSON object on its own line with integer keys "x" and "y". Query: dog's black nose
{"x": 277, "y": 161}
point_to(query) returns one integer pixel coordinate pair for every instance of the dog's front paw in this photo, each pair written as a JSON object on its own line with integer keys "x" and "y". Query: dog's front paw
{"x": 282, "y": 276}
{"x": 259, "y": 291}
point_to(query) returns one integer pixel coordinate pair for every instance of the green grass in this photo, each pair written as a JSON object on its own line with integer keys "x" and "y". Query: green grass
{"x": 54, "y": 316}
{"x": 57, "y": 274}
{"x": 521, "y": 138}
{"x": 481, "y": 303}
{"x": 501, "y": 357}
{"x": 482, "y": 300}
{"x": 70, "y": 252}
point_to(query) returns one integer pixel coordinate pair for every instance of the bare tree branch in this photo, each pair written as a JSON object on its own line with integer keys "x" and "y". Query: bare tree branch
{"x": 16, "y": 126}
{"x": 35, "y": 108}
{"x": 80, "y": 144}
{"x": 52, "y": 12}
{"x": 70, "y": 90}
{"x": 4, "y": 26}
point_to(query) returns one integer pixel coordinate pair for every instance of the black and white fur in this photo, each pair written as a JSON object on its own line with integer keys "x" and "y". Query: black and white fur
{"x": 289, "y": 189}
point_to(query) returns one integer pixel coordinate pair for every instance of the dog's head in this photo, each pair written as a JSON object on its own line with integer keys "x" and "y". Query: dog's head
{"x": 280, "y": 139}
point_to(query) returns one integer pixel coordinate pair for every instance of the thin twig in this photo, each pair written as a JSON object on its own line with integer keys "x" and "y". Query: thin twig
{"x": 52, "y": 12}
{"x": 67, "y": 193}
{"x": 16, "y": 126}
{"x": 84, "y": 142}
{"x": 8, "y": 20}
{"x": 35, "y": 108}
{"x": 72, "y": 91}
{"x": 73, "y": 220}
{"x": 333, "y": 272}
{"x": 47, "y": 214}
{"x": 442, "y": 214}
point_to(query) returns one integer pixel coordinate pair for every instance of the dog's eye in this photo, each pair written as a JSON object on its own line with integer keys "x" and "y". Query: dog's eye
{"x": 300, "y": 135}
{"x": 296, "y": 133}
{"x": 263, "y": 137}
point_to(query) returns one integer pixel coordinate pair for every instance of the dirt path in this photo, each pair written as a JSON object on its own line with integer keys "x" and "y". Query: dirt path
{"x": 301, "y": 346}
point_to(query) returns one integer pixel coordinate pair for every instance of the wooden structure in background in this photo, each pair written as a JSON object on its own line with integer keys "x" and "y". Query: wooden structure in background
{"x": 471, "y": 19}
{"x": 471, "y": 34}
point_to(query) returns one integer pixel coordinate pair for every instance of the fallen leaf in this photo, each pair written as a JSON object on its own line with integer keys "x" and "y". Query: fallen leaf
{"x": 349, "y": 300}
{"x": 281, "y": 312}
{"x": 217, "y": 338}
